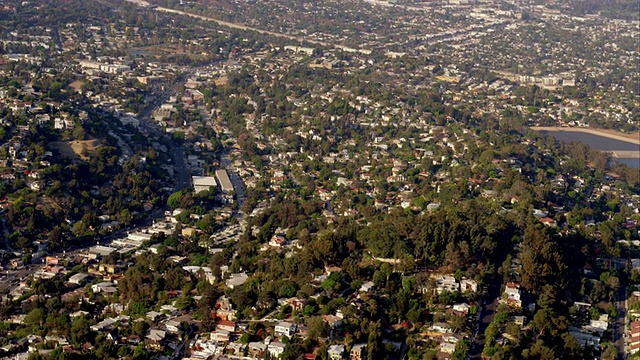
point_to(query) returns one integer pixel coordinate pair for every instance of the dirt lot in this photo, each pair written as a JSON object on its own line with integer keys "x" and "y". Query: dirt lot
{"x": 223, "y": 80}
{"x": 76, "y": 149}
{"x": 47, "y": 202}
{"x": 76, "y": 85}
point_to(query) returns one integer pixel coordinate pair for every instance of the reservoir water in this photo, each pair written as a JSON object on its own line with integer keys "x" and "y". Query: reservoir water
{"x": 599, "y": 142}
{"x": 634, "y": 163}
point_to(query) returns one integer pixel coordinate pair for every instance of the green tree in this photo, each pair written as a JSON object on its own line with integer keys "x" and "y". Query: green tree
{"x": 35, "y": 317}
{"x": 174, "y": 199}
{"x": 317, "y": 327}
{"x": 374, "y": 341}
{"x": 80, "y": 330}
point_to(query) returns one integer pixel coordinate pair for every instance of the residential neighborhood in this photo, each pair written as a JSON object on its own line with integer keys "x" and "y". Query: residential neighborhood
{"x": 355, "y": 180}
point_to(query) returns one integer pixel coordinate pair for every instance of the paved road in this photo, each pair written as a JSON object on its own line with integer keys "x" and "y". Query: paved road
{"x": 182, "y": 175}
{"x": 261, "y": 31}
{"x": 10, "y": 279}
{"x": 619, "y": 324}
{"x": 236, "y": 181}
{"x": 485, "y": 317}
{"x": 6, "y": 244}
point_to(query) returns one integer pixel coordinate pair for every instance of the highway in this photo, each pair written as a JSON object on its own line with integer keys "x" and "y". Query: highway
{"x": 238, "y": 26}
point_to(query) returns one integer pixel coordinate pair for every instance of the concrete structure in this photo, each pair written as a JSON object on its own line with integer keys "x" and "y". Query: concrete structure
{"x": 100, "y": 250}
{"x": 202, "y": 183}
{"x": 223, "y": 179}
{"x": 78, "y": 278}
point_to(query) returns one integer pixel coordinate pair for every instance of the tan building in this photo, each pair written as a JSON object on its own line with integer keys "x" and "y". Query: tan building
{"x": 634, "y": 339}
{"x": 358, "y": 352}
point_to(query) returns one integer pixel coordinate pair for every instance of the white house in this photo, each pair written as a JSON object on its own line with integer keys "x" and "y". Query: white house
{"x": 441, "y": 327}
{"x": 367, "y": 286}
{"x": 448, "y": 348}
{"x": 106, "y": 287}
{"x": 512, "y": 294}
{"x": 468, "y": 285}
{"x": 285, "y": 328}
{"x": 448, "y": 283}
{"x": 276, "y": 349}
{"x": 335, "y": 352}
{"x": 462, "y": 307}
{"x": 172, "y": 326}
{"x": 236, "y": 280}
{"x": 220, "y": 336}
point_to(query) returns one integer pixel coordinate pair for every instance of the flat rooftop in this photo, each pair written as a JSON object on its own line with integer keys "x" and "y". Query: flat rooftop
{"x": 223, "y": 179}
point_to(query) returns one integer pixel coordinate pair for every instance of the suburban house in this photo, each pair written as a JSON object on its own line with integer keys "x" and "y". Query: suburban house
{"x": 257, "y": 349}
{"x": 335, "y": 352}
{"x": 284, "y": 328}
{"x": 298, "y": 304}
{"x": 332, "y": 320}
{"x": 634, "y": 341}
{"x": 367, "y": 286}
{"x": 105, "y": 287}
{"x": 462, "y": 307}
{"x": 358, "y": 352}
{"x": 226, "y": 325}
{"x": 512, "y": 295}
{"x": 79, "y": 278}
{"x": 155, "y": 338}
{"x": 220, "y": 336}
{"x": 468, "y": 285}
{"x": 448, "y": 348}
{"x": 276, "y": 349}
{"x": 441, "y": 327}
{"x": 446, "y": 283}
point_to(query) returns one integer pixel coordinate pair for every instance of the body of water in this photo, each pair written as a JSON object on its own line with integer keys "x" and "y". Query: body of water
{"x": 599, "y": 142}
{"x": 634, "y": 163}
